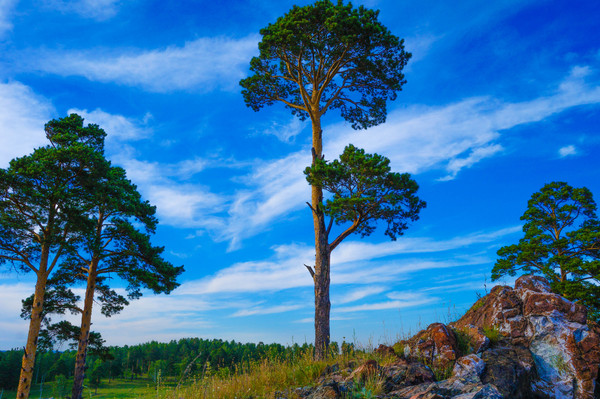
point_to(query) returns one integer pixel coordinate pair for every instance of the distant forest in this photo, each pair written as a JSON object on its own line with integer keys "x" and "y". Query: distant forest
{"x": 150, "y": 360}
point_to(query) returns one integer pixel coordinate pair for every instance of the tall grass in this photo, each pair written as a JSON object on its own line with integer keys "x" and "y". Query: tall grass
{"x": 264, "y": 379}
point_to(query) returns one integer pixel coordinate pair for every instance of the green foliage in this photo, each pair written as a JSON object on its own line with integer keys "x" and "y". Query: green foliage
{"x": 478, "y": 305}
{"x": 493, "y": 334}
{"x": 41, "y": 204}
{"x": 329, "y": 56}
{"x": 561, "y": 242}
{"x": 365, "y": 191}
{"x": 464, "y": 342}
{"x": 95, "y": 374}
{"x": 559, "y": 363}
{"x": 60, "y": 386}
{"x": 440, "y": 372}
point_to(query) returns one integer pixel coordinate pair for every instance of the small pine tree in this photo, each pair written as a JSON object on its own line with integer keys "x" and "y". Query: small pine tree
{"x": 561, "y": 242}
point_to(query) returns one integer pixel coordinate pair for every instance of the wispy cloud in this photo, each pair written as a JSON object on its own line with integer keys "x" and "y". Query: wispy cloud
{"x": 117, "y": 127}
{"x": 23, "y": 114}
{"x": 6, "y": 9}
{"x": 359, "y": 293}
{"x": 202, "y": 65}
{"x": 169, "y": 186}
{"x": 417, "y": 139}
{"x": 285, "y": 270}
{"x": 404, "y": 300}
{"x": 94, "y": 9}
{"x": 275, "y": 189}
{"x": 285, "y": 132}
{"x": 259, "y": 310}
{"x": 459, "y": 135}
{"x": 567, "y": 150}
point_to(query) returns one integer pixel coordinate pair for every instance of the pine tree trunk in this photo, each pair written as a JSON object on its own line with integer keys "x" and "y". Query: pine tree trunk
{"x": 86, "y": 318}
{"x": 35, "y": 323}
{"x": 322, "y": 254}
{"x": 322, "y": 303}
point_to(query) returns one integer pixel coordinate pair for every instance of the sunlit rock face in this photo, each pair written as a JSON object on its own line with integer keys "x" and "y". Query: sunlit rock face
{"x": 565, "y": 350}
{"x": 515, "y": 343}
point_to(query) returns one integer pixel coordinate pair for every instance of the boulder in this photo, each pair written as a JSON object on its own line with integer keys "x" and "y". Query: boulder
{"x": 532, "y": 283}
{"x": 436, "y": 345}
{"x": 501, "y": 308}
{"x": 468, "y": 366}
{"x": 511, "y": 369}
{"x": 402, "y": 374}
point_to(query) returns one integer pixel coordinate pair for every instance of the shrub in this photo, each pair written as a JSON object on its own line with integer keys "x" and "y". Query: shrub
{"x": 493, "y": 334}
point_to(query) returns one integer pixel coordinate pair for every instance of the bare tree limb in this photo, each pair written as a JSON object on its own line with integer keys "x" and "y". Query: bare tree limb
{"x": 311, "y": 271}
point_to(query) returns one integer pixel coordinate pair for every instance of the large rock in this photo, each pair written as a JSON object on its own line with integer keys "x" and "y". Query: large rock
{"x": 434, "y": 346}
{"x": 402, "y": 374}
{"x": 501, "y": 308}
{"x": 468, "y": 366}
{"x": 511, "y": 370}
{"x": 565, "y": 351}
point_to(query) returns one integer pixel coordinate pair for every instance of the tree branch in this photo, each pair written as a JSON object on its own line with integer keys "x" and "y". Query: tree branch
{"x": 345, "y": 234}
{"x": 311, "y": 271}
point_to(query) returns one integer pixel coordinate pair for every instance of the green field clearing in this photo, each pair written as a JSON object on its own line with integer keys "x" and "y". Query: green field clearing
{"x": 116, "y": 389}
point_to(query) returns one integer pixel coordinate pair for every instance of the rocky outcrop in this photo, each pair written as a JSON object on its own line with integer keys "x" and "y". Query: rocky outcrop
{"x": 519, "y": 343}
{"x": 553, "y": 330}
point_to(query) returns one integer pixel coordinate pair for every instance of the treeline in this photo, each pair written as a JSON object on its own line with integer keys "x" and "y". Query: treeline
{"x": 189, "y": 356}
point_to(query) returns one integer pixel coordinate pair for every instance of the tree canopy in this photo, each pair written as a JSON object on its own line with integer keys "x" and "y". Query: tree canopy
{"x": 66, "y": 211}
{"x": 324, "y": 56}
{"x": 364, "y": 192}
{"x": 114, "y": 240}
{"x": 561, "y": 242}
{"x": 42, "y": 208}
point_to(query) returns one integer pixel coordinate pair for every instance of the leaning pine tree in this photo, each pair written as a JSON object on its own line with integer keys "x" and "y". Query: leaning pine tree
{"x": 116, "y": 240}
{"x": 319, "y": 57}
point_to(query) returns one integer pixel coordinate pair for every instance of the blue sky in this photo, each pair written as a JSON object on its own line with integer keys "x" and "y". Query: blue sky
{"x": 500, "y": 100}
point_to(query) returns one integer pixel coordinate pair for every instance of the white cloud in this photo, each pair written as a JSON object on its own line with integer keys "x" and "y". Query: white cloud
{"x": 259, "y": 310}
{"x": 567, "y": 150}
{"x": 286, "y": 132}
{"x": 6, "y": 8}
{"x": 13, "y": 328}
{"x": 406, "y": 301}
{"x": 22, "y": 117}
{"x": 94, "y": 9}
{"x": 276, "y": 189}
{"x": 179, "y": 202}
{"x": 360, "y": 293}
{"x": 117, "y": 127}
{"x": 416, "y": 139}
{"x": 202, "y": 65}
{"x": 285, "y": 269}
{"x": 457, "y": 136}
